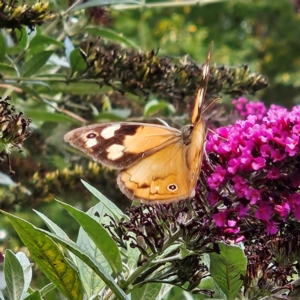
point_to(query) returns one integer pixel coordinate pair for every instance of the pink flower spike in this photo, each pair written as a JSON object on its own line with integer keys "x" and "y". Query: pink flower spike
{"x": 220, "y": 218}
{"x": 273, "y": 173}
{"x": 291, "y": 145}
{"x": 271, "y": 227}
{"x": 258, "y": 163}
{"x": 213, "y": 198}
{"x": 239, "y": 239}
{"x": 232, "y": 230}
{"x": 264, "y": 212}
{"x": 231, "y": 223}
{"x": 242, "y": 210}
{"x": 283, "y": 210}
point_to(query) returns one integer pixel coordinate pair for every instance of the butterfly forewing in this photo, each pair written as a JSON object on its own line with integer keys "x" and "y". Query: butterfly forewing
{"x": 119, "y": 145}
{"x": 200, "y": 94}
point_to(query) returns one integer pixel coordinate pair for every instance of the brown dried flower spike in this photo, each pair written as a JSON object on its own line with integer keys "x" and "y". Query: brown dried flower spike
{"x": 13, "y": 15}
{"x": 13, "y": 130}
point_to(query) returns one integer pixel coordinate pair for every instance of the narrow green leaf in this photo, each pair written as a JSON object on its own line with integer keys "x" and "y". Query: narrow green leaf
{"x": 49, "y": 258}
{"x": 1, "y": 296}
{"x": 148, "y": 291}
{"x": 55, "y": 229}
{"x": 36, "y": 295}
{"x": 110, "y": 205}
{"x": 43, "y": 40}
{"x": 154, "y": 106}
{"x": 228, "y": 268}
{"x": 108, "y": 117}
{"x": 7, "y": 68}
{"x": 32, "y": 92}
{"x": 91, "y": 262}
{"x": 113, "y": 115}
{"x": 45, "y": 116}
{"x": 2, "y": 47}
{"x": 22, "y": 37}
{"x": 14, "y": 276}
{"x": 109, "y": 34}
{"x": 91, "y": 282}
{"x": 36, "y": 62}
{"x": 99, "y": 235}
{"x": 93, "y": 3}
{"x": 27, "y": 270}
{"x": 77, "y": 62}
{"x": 52, "y": 226}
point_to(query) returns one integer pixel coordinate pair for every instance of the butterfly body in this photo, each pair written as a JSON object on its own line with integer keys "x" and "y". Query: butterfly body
{"x": 158, "y": 164}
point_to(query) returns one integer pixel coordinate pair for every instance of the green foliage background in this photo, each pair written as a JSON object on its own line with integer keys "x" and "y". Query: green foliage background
{"x": 262, "y": 33}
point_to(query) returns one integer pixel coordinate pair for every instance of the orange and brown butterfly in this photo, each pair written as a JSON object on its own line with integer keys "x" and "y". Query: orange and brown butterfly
{"x": 157, "y": 163}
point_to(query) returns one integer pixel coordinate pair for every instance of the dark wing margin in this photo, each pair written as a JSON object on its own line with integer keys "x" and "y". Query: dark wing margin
{"x": 201, "y": 91}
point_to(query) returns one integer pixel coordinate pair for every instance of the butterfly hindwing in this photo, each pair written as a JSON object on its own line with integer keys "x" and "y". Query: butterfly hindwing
{"x": 162, "y": 177}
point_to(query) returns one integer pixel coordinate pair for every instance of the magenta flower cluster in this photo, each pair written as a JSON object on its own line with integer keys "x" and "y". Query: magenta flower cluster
{"x": 256, "y": 167}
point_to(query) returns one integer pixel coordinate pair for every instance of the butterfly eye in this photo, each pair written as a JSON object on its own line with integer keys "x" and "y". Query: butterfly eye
{"x": 172, "y": 187}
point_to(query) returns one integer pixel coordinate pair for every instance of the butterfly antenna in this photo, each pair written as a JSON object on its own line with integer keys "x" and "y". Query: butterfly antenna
{"x": 211, "y": 103}
{"x": 212, "y": 131}
{"x": 163, "y": 122}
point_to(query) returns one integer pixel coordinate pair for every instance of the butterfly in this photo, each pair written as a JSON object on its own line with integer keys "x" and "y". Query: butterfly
{"x": 158, "y": 164}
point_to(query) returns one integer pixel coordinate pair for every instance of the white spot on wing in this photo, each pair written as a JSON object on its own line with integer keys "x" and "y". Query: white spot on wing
{"x": 91, "y": 143}
{"x": 109, "y": 132}
{"x": 115, "y": 151}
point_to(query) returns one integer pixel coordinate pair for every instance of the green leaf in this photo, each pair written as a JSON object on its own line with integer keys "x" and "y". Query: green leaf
{"x": 22, "y": 37}
{"x": 55, "y": 229}
{"x": 115, "y": 211}
{"x": 99, "y": 235}
{"x": 91, "y": 282}
{"x": 93, "y": 3}
{"x": 36, "y": 295}
{"x": 148, "y": 291}
{"x": 7, "y": 68}
{"x": 43, "y": 40}
{"x": 154, "y": 106}
{"x": 27, "y": 270}
{"x": 108, "y": 116}
{"x": 228, "y": 268}
{"x": 2, "y": 47}
{"x": 14, "y": 276}
{"x": 27, "y": 89}
{"x": 49, "y": 257}
{"x": 36, "y": 62}
{"x": 45, "y": 116}
{"x": 77, "y": 62}
{"x": 89, "y": 261}
{"x": 108, "y": 34}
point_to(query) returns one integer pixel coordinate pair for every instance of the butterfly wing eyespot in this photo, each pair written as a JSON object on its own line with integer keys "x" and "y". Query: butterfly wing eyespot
{"x": 91, "y": 135}
{"x": 172, "y": 187}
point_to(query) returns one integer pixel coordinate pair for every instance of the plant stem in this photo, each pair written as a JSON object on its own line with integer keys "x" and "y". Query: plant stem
{"x": 165, "y": 4}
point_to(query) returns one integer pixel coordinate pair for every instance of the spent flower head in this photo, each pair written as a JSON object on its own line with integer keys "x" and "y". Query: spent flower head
{"x": 13, "y": 129}
{"x": 15, "y": 15}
